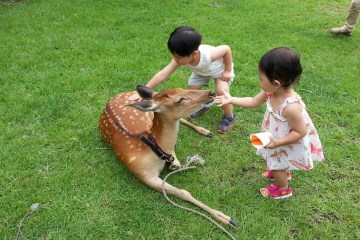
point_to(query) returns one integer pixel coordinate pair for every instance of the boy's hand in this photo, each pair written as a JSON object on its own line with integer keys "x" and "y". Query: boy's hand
{"x": 223, "y": 99}
{"x": 134, "y": 97}
{"x": 225, "y": 76}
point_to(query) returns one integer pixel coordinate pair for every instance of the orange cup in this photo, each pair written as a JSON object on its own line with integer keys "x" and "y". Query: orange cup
{"x": 260, "y": 140}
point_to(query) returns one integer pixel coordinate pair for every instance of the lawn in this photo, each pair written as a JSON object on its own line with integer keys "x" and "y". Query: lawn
{"x": 61, "y": 61}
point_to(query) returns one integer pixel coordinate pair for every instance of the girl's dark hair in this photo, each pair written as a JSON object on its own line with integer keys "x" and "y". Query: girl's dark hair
{"x": 184, "y": 41}
{"x": 281, "y": 64}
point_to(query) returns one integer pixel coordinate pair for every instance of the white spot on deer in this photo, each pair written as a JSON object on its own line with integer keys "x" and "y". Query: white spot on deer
{"x": 133, "y": 158}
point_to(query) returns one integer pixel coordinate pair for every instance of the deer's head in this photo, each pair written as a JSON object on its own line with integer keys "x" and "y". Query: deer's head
{"x": 175, "y": 103}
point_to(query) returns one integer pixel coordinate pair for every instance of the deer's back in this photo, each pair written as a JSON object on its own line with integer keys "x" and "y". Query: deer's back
{"x": 121, "y": 126}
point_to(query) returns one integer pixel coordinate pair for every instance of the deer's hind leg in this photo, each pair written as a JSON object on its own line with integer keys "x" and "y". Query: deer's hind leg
{"x": 157, "y": 184}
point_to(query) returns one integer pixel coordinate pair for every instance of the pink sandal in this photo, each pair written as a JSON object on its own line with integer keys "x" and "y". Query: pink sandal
{"x": 275, "y": 192}
{"x": 268, "y": 174}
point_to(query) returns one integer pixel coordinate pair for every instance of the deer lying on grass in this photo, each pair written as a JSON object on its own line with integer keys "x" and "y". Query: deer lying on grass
{"x": 143, "y": 134}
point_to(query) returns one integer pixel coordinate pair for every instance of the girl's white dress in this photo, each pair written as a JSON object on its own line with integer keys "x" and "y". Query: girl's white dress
{"x": 297, "y": 156}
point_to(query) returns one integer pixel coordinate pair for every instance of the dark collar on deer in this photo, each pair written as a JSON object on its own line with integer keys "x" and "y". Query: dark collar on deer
{"x": 149, "y": 140}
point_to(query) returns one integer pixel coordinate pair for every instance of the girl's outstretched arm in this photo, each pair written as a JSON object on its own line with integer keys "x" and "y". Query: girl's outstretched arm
{"x": 245, "y": 102}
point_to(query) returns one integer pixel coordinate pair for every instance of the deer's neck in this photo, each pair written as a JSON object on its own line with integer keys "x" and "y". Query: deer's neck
{"x": 165, "y": 133}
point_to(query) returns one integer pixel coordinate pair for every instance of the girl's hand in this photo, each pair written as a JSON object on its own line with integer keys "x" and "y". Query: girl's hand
{"x": 223, "y": 99}
{"x": 274, "y": 143}
{"x": 134, "y": 97}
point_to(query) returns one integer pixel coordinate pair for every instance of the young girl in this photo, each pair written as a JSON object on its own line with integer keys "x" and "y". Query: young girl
{"x": 295, "y": 143}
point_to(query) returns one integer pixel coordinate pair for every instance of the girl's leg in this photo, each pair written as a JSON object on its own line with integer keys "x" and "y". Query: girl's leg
{"x": 280, "y": 189}
{"x": 268, "y": 174}
{"x": 280, "y": 177}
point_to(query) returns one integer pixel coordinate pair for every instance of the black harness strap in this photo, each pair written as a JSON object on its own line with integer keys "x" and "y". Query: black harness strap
{"x": 149, "y": 140}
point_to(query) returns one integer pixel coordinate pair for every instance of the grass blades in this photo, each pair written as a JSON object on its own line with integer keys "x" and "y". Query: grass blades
{"x": 61, "y": 61}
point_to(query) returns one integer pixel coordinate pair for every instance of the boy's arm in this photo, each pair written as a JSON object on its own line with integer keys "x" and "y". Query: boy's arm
{"x": 163, "y": 74}
{"x": 158, "y": 78}
{"x": 224, "y": 52}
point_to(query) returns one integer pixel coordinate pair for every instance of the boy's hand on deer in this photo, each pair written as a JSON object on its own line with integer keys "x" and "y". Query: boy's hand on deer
{"x": 223, "y": 99}
{"x": 135, "y": 97}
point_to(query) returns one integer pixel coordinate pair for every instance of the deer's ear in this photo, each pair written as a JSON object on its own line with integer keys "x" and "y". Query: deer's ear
{"x": 145, "y": 92}
{"x": 144, "y": 106}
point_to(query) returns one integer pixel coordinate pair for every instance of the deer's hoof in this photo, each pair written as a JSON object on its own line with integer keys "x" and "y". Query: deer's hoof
{"x": 174, "y": 167}
{"x": 232, "y": 223}
{"x": 210, "y": 134}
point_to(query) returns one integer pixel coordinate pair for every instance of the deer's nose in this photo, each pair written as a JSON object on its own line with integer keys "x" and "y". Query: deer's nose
{"x": 212, "y": 94}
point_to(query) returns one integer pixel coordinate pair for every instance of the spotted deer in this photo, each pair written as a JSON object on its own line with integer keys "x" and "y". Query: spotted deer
{"x": 143, "y": 134}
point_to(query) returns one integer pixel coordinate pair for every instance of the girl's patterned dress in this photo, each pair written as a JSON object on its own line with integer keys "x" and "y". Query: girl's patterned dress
{"x": 297, "y": 156}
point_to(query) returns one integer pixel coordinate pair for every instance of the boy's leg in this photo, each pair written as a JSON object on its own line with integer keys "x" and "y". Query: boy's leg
{"x": 220, "y": 86}
{"x": 194, "y": 87}
{"x": 195, "y": 83}
{"x": 228, "y": 119}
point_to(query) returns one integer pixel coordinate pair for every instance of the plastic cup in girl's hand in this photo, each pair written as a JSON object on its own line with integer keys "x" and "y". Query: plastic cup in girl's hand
{"x": 260, "y": 140}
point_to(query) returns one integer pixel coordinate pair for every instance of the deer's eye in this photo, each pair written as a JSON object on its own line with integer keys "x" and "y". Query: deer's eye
{"x": 181, "y": 99}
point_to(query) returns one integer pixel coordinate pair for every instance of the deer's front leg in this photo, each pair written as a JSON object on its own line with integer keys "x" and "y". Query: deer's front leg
{"x": 200, "y": 130}
{"x": 176, "y": 163}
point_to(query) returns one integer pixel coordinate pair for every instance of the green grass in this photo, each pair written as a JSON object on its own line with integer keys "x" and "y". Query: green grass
{"x": 60, "y": 62}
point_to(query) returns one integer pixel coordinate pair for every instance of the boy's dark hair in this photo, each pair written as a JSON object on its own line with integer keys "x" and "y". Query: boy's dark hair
{"x": 183, "y": 41}
{"x": 281, "y": 64}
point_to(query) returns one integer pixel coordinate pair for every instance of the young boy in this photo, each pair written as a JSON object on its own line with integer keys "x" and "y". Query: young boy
{"x": 206, "y": 62}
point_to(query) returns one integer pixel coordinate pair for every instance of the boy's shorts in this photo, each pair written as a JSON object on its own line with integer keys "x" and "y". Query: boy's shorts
{"x": 198, "y": 80}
